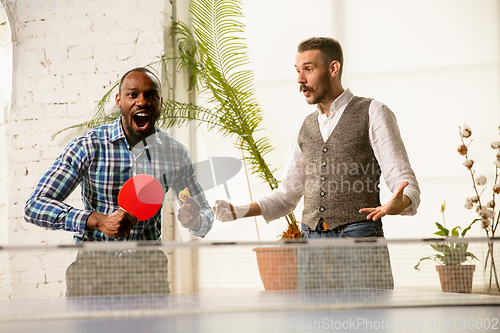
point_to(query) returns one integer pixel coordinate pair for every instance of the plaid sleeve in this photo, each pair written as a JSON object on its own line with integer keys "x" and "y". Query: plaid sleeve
{"x": 45, "y": 207}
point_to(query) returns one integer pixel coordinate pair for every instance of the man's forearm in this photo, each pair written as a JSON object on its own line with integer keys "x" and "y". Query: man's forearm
{"x": 406, "y": 203}
{"x": 250, "y": 210}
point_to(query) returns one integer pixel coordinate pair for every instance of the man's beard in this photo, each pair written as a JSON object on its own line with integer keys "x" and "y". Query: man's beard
{"x": 324, "y": 87}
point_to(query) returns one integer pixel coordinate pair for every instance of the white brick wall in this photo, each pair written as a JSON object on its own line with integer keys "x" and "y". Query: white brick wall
{"x": 65, "y": 60}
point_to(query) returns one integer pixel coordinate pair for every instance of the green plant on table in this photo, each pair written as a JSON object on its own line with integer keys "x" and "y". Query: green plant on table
{"x": 449, "y": 252}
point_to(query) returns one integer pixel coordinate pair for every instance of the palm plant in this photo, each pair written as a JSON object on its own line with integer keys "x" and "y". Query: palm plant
{"x": 214, "y": 55}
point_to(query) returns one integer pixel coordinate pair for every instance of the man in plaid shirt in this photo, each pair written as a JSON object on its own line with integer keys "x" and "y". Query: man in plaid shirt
{"x": 104, "y": 158}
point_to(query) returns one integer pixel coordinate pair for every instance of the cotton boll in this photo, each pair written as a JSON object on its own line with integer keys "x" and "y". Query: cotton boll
{"x": 481, "y": 180}
{"x": 465, "y": 131}
{"x": 469, "y": 163}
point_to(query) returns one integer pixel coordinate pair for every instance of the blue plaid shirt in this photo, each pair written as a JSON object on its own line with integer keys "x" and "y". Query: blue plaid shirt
{"x": 102, "y": 161}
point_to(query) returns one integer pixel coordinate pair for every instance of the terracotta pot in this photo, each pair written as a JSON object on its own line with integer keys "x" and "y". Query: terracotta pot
{"x": 277, "y": 267}
{"x": 456, "y": 278}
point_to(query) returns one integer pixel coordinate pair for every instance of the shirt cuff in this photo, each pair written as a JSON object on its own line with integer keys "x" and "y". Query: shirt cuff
{"x": 206, "y": 225}
{"x": 415, "y": 202}
{"x": 268, "y": 209}
{"x": 76, "y": 220}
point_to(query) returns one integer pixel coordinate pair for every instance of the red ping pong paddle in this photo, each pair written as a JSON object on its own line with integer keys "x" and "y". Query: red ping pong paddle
{"x": 141, "y": 196}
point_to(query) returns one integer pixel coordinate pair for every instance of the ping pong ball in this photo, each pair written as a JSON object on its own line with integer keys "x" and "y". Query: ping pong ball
{"x": 185, "y": 192}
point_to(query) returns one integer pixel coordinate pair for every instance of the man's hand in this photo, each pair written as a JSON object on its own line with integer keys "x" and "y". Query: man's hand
{"x": 189, "y": 213}
{"x": 395, "y": 206}
{"x": 225, "y": 211}
{"x": 115, "y": 225}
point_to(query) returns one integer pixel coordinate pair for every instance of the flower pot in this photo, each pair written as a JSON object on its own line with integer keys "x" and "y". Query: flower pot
{"x": 277, "y": 267}
{"x": 456, "y": 278}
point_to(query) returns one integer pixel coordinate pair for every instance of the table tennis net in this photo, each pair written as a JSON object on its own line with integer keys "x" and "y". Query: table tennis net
{"x": 338, "y": 274}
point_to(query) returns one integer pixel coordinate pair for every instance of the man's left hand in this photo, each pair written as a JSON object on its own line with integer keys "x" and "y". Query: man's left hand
{"x": 189, "y": 213}
{"x": 395, "y": 206}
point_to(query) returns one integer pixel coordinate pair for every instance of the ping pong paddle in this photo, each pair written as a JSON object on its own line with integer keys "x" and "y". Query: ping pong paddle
{"x": 141, "y": 196}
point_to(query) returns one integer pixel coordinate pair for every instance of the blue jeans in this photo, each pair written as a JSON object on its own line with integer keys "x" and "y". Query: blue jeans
{"x": 353, "y": 230}
{"x": 345, "y": 266}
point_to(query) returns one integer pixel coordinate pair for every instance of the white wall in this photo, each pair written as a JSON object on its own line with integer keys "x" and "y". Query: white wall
{"x": 5, "y": 99}
{"x": 5, "y": 103}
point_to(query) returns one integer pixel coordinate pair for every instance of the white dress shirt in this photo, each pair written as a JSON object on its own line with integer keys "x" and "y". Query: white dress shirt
{"x": 387, "y": 145}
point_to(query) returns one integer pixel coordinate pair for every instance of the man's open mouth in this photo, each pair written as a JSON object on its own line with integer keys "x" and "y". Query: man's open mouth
{"x": 142, "y": 119}
{"x": 304, "y": 89}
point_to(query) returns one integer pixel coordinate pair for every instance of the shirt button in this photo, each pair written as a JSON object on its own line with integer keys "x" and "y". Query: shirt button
{"x": 323, "y": 163}
{"x": 323, "y": 178}
{"x": 325, "y": 149}
{"x": 322, "y": 193}
{"x": 321, "y": 209}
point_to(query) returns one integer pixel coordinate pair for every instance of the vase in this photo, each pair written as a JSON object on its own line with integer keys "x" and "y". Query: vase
{"x": 277, "y": 267}
{"x": 456, "y": 278}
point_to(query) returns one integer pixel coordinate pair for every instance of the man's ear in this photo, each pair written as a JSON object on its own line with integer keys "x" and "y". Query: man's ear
{"x": 334, "y": 68}
{"x": 118, "y": 101}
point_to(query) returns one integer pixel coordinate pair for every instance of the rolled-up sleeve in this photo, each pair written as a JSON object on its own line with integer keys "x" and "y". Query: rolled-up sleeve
{"x": 285, "y": 198}
{"x": 391, "y": 154}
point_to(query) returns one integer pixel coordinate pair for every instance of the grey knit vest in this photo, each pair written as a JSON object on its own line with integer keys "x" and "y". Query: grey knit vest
{"x": 342, "y": 174}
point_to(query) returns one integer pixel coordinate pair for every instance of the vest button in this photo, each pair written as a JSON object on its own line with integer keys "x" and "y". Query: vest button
{"x": 325, "y": 149}
{"x": 323, "y": 178}
{"x": 321, "y": 209}
{"x": 322, "y": 193}
{"x": 323, "y": 163}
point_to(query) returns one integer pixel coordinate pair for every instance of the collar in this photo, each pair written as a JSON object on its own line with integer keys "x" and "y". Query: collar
{"x": 339, "y": 103}
{"x": 117, "y": 133}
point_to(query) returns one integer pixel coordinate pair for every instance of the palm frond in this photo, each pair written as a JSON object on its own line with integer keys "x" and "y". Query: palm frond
{"x": 178, "y": 114}
{"x": 100, "y": 116}
{"x": 215, "y": 55}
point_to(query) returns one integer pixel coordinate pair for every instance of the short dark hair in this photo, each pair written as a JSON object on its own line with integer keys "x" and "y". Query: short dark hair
{"x": 329, "y": 48}
{"x": 138, "y": 69}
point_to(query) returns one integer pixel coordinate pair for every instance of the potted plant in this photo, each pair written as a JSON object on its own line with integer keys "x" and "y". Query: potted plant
{"x": 217, "y": 71}
{"x": 213, "y": 53}
{"x": 451, "y": 254}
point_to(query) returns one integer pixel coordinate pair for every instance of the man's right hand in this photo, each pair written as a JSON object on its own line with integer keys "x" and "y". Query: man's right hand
{"x": 225, "y": 211}
{"x": 115, "y": 225}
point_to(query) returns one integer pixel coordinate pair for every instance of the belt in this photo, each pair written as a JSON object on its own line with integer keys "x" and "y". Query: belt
{"x": 323, "y": 227}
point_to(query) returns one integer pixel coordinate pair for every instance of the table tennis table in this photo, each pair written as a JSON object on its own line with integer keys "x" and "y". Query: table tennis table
{"x": 339, "y": 310}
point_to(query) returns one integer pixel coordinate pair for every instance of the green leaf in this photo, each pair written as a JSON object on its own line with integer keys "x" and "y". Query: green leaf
{"x": 441, "y": 247}
{"x": 454, "y": 231}
{"x": 442, "y": 229}
{"x": 468, "y": 228}
{"x": 469, "y": 254}
{"x": 417, "y": 266}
